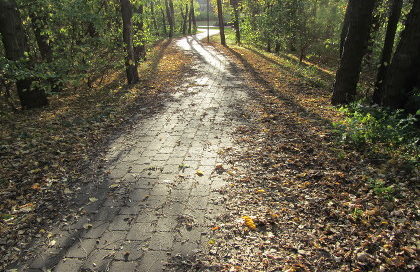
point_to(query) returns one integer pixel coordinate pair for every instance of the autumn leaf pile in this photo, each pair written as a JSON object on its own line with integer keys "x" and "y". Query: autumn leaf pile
{"x": 314, "y": 204}
{"x": 47, "y": 154}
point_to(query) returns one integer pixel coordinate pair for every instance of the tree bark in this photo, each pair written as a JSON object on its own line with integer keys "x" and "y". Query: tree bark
{"x": 345, "y": 28}
{"x": 193, "y": 17}
{"x": 130, "y": 63}
{"x": 172, "y": 10}
{"x": 221, "y": 22}
{"x": 403, "y": 72}
{"x": 391, "y": 30}
{"x": 165, "y": 31}
{"x": 38, "y": 25}
{"x": 190, "y": 17}
{"x": 170, "y": 20}
{"x": 15, "y": 46}
{"x": 354, "y": 48}
{"x": 236, "y": 23}
{"x": 140, "y": 49}
{"x": 154, "y": 21}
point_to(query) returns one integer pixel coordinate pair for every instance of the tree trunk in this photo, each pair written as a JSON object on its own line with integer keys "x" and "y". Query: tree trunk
{"x": 193, "y": 17}
{"x": 354, "y": 48}
{"x": 236, "y": 22}
{"x": 405, "y": 67}
{"x": 15, "y": 46}
{"x": 190, "y": 17}
{"x": 345, "y": 28}
{"x": 140, "y": 50}
{"x": 221, "y": 23}
{"x": 130, "y": 63}
{"x": 391, "y": 30}
{"x": 172, "y": 10}
{"x": 154, "y": 21}
{"x": 165, "y": 31}
{"x": 170, "y": 20}
{"x": 38, "y": 24}
{"x": 184, "y": 19}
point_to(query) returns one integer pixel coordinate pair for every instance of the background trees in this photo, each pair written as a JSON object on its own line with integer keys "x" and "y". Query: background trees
{"x": 71, "y": 43}
{"x": 355, "y": 37}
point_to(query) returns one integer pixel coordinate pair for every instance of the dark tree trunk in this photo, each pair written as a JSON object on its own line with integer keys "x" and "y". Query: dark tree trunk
{"x": 190, "y": 17}
{"x": 15, "y": 46}
{"x": 405, "y": 67}
{"x": 277, "y": 47}
{"x": 193, "y": 17}
{"x": 154, "y": 21}
{"x": 236, "y": 22}
{"x": 391, "y": 30}
{"x": 354, "y": 48}
{"x": 221, "y": 22}
{"x": 184, "y": 19}
{"x": 38, "y": 25}
{"x": 345, "y": 28}
{"x": 170, "y": 20}
{"x": 130, "y": 63}
{"x": 140, "y": 49}
{"x": 165, "y": 31}
{"x": 172, "y": 10}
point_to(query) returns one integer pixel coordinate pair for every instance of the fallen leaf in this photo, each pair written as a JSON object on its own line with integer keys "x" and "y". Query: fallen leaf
{"x": 199, "y": 173}
{"x": 93, "y": 199}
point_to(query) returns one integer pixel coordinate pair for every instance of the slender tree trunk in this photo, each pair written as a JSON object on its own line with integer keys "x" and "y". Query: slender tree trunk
{"x": 130, "y": 63}
{"x": 221, "y": 22}
{"x": 193, "y": 17}
{"x": 165, "y": 31}
{"x": 15, "y": 46}
{"x": 354, "y": 48}
{"x": 345, "y": 28}
{"x": 236, "y": 22}
{"x": 140, "y": 49}
{"x": 170, "y": 20}
{"x": 38, "y": 24}
{"x": 172, "y": 10}
{"x": 190, "y": 17}
{"x": 391, "y": 30}
{"x": 153, "y": 14}
{"x": 184, "y": 19}
{"x": 405, "y": 67}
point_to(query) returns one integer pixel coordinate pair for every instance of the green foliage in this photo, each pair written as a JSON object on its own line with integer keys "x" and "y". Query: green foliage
{"x": 380, "y": 189}
{"x": 380, "y": 130}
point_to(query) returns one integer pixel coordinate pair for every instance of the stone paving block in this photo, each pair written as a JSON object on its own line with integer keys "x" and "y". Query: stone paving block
{"x": 160, "y": 190}
{"x": 166, "y": 223}
{"x": 123, "y": 267}
{"x": 144, "y": 183}
{"x": 122, "y": 222}
{"x": 131, "y": 251}
{"x": 99, "y": 260}
{"x": 111, "y": 240}
{"x": 68, "y": 264}
{"x": 153, "y": 261}
{"x": 141, "y": 231}
{"x": 81, "y": 249}
{"x": 96, "y": 231}
{"x": 161, "y": 241}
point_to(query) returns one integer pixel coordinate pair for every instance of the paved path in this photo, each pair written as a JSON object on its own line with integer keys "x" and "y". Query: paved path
{"x": 161, "y": 198}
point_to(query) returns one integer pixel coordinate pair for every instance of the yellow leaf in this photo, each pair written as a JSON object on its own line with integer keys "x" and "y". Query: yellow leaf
{"x": 93, "y": 199}
{"x": 199, "y": 173}
{"x": 249, "y": 222}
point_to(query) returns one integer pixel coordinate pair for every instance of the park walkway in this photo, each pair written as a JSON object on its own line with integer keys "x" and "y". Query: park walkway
{"x": 161, "y": 197}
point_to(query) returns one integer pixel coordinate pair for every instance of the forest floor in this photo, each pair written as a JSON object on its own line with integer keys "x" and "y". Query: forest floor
{"x": 225, "y": 160}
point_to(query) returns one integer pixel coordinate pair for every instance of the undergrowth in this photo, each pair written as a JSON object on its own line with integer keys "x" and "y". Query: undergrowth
{"x": 373, "y": 129}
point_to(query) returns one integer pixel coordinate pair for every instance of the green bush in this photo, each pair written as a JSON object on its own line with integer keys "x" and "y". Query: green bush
{"x": 373, "y": 128}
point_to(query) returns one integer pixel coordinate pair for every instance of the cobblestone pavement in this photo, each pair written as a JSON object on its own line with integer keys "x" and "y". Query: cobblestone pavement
{"x": 162, "y": 194}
